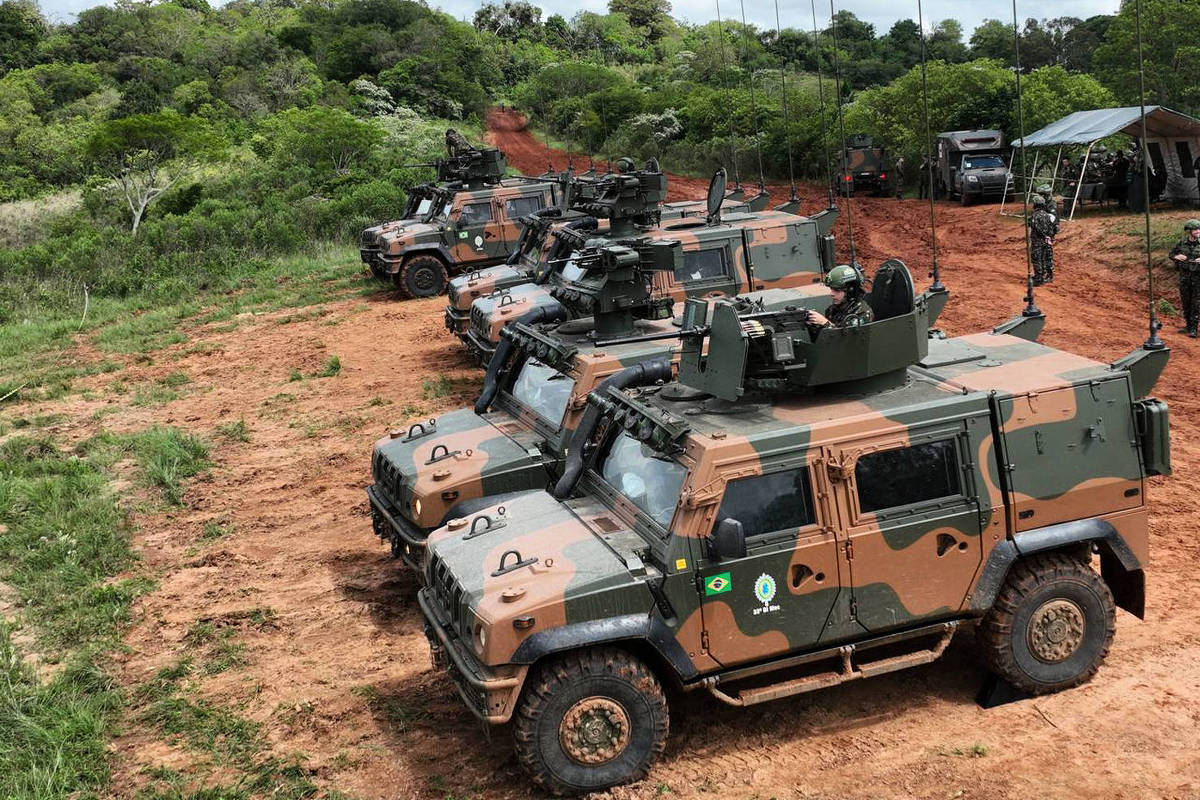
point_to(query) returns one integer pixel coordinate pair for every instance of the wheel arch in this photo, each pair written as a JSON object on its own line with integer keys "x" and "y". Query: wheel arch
{"x": 1119, "y": 567}
{"x": 436, "y": 250}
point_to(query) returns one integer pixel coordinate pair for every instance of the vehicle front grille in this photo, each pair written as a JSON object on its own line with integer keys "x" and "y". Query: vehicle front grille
{"x": 388, "y": 479}
{"x": 479, "y": 321}
{"x": 449, "y": 594}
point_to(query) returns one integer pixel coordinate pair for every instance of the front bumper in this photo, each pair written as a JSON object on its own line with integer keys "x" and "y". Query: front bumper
{"x": 385, "y": 265}
{"x": 406, "y": 539}
{"x": 479, "y": 347}
{"x": 492, "y": 697}
{"x": 457, "y": 322}
{"x": 368, "y": 254}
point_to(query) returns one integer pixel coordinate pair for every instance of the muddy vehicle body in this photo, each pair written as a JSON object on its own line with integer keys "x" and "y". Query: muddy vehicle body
{"x": 538, "y": 253}
{"x": 469, "y": 223}
{"x": 797, "y": 513}
{"x": 970, "y": 166}
{"x": 515, "y": 438}
{"x": 862, "y": 167}
{"x": 723, "y": 254}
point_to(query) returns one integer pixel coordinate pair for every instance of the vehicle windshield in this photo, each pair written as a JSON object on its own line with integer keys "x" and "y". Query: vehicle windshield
{"x": 543, "y": 390}
{"x": 571, "y": 271}
{"x": 982, "y": 162}
{"x": 439, "y": 213}
{"x": 423, "y": 207}
{"x": 640, "y": 473}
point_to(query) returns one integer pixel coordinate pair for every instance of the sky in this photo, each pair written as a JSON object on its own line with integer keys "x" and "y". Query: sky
{"x": 792, "y": 13}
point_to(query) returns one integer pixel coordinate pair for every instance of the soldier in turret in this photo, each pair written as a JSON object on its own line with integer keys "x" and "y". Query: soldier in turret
{"x": 1042, "y": 228}
{"x": 1186, "y": 255}
{"x": 849, "y": 308}
{"x": 456, "y": 143}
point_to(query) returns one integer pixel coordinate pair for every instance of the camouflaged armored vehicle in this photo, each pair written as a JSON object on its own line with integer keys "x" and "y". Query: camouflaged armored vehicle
{"x": 797, "y": 513}
{"x": 515, "y": 437}
{"x": 470, "y": 223}
{"x": 862, "y": 167}
{"x": 539, "y": 253}
{"x": 724, "y": 254}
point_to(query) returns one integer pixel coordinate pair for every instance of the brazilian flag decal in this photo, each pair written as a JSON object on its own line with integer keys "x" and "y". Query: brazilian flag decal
{"x": 717, "y": 584}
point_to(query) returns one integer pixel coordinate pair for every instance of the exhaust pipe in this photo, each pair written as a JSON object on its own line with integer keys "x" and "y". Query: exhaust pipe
{"x": 503, "y": 353}
{"x": 645, "y": 373}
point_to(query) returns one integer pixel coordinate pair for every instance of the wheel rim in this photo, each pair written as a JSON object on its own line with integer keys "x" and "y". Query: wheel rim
{"x": 594, "y": 731}
{"x": 425, "y": 279}
{"x": 1056, "y": 630}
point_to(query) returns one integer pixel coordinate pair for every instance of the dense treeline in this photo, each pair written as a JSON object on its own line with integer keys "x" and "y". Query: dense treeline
{"x": 198, "y": 138}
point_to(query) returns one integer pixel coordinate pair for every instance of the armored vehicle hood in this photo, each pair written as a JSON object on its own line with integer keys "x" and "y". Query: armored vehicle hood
{"x": 398, "y": 238}
{"x": 555, "y": 570}
{"x": 461, "y": 456}
{"x": 466, "y": 288}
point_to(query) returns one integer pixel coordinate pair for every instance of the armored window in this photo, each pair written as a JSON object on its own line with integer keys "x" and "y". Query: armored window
{"x": 1186, "y": 165}
{"x": 781, "y": 501}
{"x": 520, "y": 206}
{"x": 543, "y": 390}
{"x": 645, "y": 477}
{"x": 699, "y": 265}
{"x": 907, "y": 475}
{"x": 475, "y": 213}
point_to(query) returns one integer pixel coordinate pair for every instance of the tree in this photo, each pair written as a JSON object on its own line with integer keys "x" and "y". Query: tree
{"x": 993, "y": 39}
{"x": 321, "y": 138}
{"x": 945, "y": 42}
{"x": 146, "y": 154}
{"x": 1172, "y": 59}
{"x": 650, "y": 15}
{"x": 513, "y": 20}
{"x": 22, "y": 28}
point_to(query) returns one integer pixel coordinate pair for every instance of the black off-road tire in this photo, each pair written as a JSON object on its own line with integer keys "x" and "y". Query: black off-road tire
{"x": 609, "y": 694}
{"x": 422, "y": 276}
{"x": 1051, "y": 626}
{"x": 965, "y": 199}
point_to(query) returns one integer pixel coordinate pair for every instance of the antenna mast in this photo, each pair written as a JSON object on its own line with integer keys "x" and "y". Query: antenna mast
{"x": 837, "y": 88}
{"x": 1031, "y": 309}
{"x": 936, "y": 274}
{"x": 1153, "y": 342}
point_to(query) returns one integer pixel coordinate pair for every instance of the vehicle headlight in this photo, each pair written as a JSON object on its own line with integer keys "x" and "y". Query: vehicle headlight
{"x": 417, "y": 506}
{"x": 480, "y": 638}
{"x": 972, "y": 179}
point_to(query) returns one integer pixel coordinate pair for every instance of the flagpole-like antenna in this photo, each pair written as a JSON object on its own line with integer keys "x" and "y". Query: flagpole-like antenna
{"x": 737, "y": 173}
{"x": 821, "y": 95}
{"x": 1153, "y": 342}
{"x": 762, "y": 182}
{"x": 837, "y": 89}
{"x": 1031, "y": 309}
{"x": 936, "y": 273}
{"x": 787, "y": 119}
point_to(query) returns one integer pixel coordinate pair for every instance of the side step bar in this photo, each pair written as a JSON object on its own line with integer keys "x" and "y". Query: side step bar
{"x": 848, "y": 668}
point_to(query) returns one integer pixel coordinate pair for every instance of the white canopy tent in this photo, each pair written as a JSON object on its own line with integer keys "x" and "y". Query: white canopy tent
{"x": 1172, "y": 142}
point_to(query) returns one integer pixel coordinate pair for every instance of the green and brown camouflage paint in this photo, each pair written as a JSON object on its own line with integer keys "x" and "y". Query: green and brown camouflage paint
{"x": 1041, "y": 437}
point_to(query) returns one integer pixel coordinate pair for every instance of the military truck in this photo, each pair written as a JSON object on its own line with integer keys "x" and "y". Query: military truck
{"x": 515, "y": 437}
{"x": 797, "y": 512}
{"x": 971, "y": 167}
{"x": 862, "y": 167}
{"x": 539, "y": 253}
{"x": 723, "y": 254}
{"x": 470, "y": 223}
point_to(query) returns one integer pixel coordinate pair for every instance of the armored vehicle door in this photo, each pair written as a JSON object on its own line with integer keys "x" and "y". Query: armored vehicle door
{"x": 778, "y": 595}
{"x": 1071, "y": 453}
{"x": 707, "y": 271}
{"x": 478, "y": 231}
{"x": 913, "y": 518}
{"x": 516, "y": 207}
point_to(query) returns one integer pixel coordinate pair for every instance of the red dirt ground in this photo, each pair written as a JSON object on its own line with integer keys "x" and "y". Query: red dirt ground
{"x": 345, "y": 617}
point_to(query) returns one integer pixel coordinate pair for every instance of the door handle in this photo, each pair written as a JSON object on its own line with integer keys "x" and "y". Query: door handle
{"x": 488, "y": 235}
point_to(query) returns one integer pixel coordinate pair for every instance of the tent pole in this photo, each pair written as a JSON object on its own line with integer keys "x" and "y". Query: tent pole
{"x": 1054, "y": 172}
{"x": 1079, "y": 183}
{"x": 1029, "y": 181}
{"x": 1004, "y": 197}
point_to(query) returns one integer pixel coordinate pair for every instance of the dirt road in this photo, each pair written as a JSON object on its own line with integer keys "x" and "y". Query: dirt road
{"x": 340, "y": 671}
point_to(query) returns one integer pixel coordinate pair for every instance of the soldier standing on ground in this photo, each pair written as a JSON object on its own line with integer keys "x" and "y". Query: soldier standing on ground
{"x": 849, "y": 308}
{"x": 899, "y": 172}
{"x": 923, "y": 178}
{"x": 1047, "y": 193}
{"x": 1186, "y": 255}
{"x": 1041, "y": 238}
{"x": 456, "y": 143}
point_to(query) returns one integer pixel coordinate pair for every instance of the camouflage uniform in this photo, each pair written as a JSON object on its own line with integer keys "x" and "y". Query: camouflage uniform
{"x": 850, "y": 313}
{"x": 1189, "y": 281}
{"x": 456, "y": 143}
{"x": 1041, "y": 236}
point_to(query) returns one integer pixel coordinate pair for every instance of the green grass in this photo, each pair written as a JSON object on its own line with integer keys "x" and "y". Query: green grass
{"x": 165, "y": 456}
{"x": 234, "y": 431}
{"x": 332, "y": 367}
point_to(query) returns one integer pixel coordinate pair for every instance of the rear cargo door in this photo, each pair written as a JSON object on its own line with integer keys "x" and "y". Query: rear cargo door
{"x": 1071, "y": 453}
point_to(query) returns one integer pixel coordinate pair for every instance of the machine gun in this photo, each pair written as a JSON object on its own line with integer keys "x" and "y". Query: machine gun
{"x": 471, "y": 170}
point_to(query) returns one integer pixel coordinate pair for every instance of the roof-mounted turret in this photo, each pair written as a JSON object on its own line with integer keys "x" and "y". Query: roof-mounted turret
{"x": 615, "y": 286}
{"x": 771, "y": 352}
{"x": 626, "y": 199}
{"x": 473, "y": 169}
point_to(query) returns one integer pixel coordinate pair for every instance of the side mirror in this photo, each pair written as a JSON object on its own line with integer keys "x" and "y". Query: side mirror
{"x": 727, "y": 541}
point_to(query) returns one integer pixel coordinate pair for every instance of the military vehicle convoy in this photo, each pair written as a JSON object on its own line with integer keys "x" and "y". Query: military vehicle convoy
{"x": 970, "y": 166}
{"x": 723, "y": 254}
{"x": 862, "y": 167}
{"x": 472, "y": 220}
{"x": 515, "y": 437}
{"x": 801, "y": 508}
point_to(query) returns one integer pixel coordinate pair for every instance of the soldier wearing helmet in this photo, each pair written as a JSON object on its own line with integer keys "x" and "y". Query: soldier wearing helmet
{"x": 1042, "y": 229}
{"x": 1186, "y": 255}
{"x": 1047, "y": 193}
{"x": 849, "y": 308}
{"x": 456, "y": 143}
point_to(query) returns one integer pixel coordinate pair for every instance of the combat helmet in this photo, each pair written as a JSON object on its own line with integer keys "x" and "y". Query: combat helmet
{"x": 1039, "y": 201}
{"x": 1045, "y": 189}
{"x": 842, "y": 277}
{"x": 1191, "y": 225}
